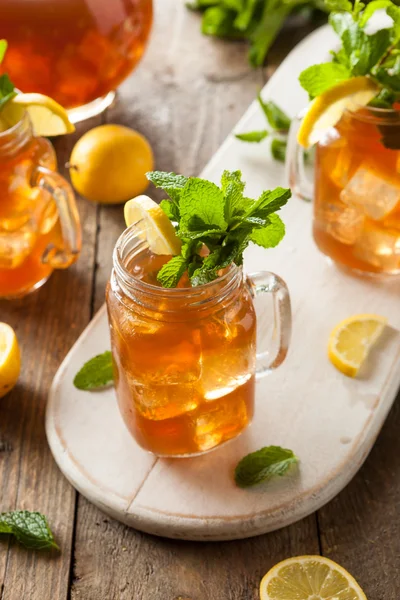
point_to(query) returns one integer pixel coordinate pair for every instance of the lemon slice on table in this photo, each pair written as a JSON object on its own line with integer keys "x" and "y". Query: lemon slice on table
{"x": 309, "y": 577}
{"x": 47, "y": 116}
{"x": 325, "y": 110}
{"x": 351, "y": 340}
{"x": 10, "y": 359}
{"x": 159, "y": 231}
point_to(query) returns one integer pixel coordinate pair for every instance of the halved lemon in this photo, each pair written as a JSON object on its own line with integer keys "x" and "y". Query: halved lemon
{"x": 352, "y": 339}
{"x": 309, "y": 578}
{"x": 47, "y": 116}
{"x": 325, "y": 110}
{"x": 158, "y": 229}
{"x": 10, "y": 359}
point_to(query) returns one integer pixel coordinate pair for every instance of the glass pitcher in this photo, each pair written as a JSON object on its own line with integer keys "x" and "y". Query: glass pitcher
{"x": 356, "y": 190}
{"x": 39, "y": 221}
{"x": 76, "y": 51}
{"x": 185, "y": 358}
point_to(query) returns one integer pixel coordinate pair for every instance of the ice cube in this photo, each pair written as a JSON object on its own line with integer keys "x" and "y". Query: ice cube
{"x": 379, "y": 248}
{"x": 161, "y": 399}
{"x": 342, "y": 222}
{"x": 15, "y": 247}
{"x": 371, "y": 192}
{"x": 220, "y": 421}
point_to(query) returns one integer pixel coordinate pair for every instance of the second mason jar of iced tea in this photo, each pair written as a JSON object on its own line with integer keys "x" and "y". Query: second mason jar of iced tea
{"x": 185, "y": 358}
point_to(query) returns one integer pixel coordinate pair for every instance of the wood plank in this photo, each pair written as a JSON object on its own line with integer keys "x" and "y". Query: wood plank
{"x": 47, "y": 324}
{"x": 360, "y": 528}
{"x": 185, "y": 98}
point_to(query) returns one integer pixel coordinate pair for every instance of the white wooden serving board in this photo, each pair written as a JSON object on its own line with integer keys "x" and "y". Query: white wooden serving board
{"x": 330, "y": 421}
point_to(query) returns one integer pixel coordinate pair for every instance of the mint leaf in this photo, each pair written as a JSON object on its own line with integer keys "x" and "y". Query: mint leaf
{"x": 3, "y": 49}
{"x": 262, "y": 465}
{"x": 95, "y": 373}
{"x": 372, "y": 8}
{"x": 6, "y": 90}
{"x": 270, "y": 235}
{"x": 170, "y": 274}
{"x": 29, "y": 528}
{"x": 275, "y": 116}
{"x": 319, "y": 78}
{"x": 245, "y": 16}
{"x": 278, "y": 149}
{"x": 219, "y": 21}
{"x": 266, "y": 30}
{"x": 201, "y": 206}
{"x": 170, "y": 182}
{"x": 171, "y": 210}
{"x": 269, "y": 202}
{"x": 252, "y": 136}
{"x": 232, "y": 189}
{"x": 337, "y": 5}
{"x": 340, "y": 22}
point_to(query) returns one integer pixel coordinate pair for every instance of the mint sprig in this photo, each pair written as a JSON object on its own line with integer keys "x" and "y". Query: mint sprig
{"x": 95, "y": 373}
{"x": 7, "y": 90}
{"x": 279, "y": 124}
{"x": 262, "y": 465}
{"x": 375, "y": 55}
{"x": 220, "y": 219}
{"x": 29, "y": 528}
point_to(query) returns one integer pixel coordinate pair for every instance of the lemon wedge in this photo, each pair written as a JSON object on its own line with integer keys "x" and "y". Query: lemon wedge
{"x": 47, "y": 116}
{"x": 10, "y": 359}
{"x": 325, "y": 110}
{"x": 309, "y": 577}
{"x": 158, "y": 229}
{"x": 351, "y": 340}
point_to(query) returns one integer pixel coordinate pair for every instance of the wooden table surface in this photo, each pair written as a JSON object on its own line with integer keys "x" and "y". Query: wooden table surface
{"x": 185, "y": 97}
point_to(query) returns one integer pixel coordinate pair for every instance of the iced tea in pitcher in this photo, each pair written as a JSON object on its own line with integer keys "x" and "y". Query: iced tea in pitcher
{"x": 75, "y": 51}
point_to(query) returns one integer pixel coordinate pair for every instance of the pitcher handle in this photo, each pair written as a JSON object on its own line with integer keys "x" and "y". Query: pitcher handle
{"x": 63, "y": 195}
{"x": 296, "y": 175}
{"x": 261, "y": 283}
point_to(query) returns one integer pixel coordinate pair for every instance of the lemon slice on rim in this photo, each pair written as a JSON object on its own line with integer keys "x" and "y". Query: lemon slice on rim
{"x": 309, "y": 577}
{"x": 10, "y": 359}
{"x": 352, "y": 339}
{"x": 47, "y": 116}
{"x": 159, "y": 231}
{"x": 325, "y": 110}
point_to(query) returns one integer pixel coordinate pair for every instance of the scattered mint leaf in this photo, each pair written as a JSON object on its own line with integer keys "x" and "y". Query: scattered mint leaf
{"x": 270, "y": 235}
{"x": 29, "y": 528}
{"x": 170, "y": 274}
{"x": 266, "y": 30}
{"x": 170, "y": 182}
{"x": 201, "y": 205}
{"x": 95, "y": 373}
{"x": 3, "y": 49}
{"x": 246, "y": 14}
{"x": 278, "y": 149}
{"x": 219, "y": 21}
{"x": 277, "y": 119}
{"x": 252, "y": 136}
{"x": 262, "y": 465}
{"x": 319, "y": 78}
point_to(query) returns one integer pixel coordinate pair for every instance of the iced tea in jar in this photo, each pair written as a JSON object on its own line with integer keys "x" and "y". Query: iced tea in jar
{"x": 39, "y": 222}
{"x": 356, "y": 190}
{"x": 185, "y": 358}
{"x": 75, "y": 51}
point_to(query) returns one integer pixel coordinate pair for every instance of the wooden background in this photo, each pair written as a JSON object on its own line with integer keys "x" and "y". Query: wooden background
{"x": 185, "y": 97}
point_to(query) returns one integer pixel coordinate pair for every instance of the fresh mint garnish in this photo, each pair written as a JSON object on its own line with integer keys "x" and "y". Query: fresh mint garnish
{"x": 375, "y": 55}
{"x": 264, "y": 464}
{"x": 29, "y": 528}
{"x": 3, "y": 49}
{"x": 95, "y": 373}
{"x": 279, "y": 123}
{"x": 7, "y": 90}
{"x": 221, "y": 220}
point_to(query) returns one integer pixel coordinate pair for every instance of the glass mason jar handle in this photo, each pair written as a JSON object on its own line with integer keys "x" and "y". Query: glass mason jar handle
{"x": 296, "y": 175}
{"x": 268, "y": 283}
{"x": 64, "y": 198}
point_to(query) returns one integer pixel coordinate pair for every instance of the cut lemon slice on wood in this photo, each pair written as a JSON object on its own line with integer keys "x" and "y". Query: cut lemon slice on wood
{"x": 309, "y": 578}
{"x": 10, "y": 359}
{"x": 352, "y": 339}
{"x": 325, "y": 110}
{"x": 47, "y": 116}
{"x": 158, "y": 229}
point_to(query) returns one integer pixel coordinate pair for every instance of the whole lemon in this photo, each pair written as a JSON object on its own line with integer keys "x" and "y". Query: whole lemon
{"x": 108, "y": 164}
